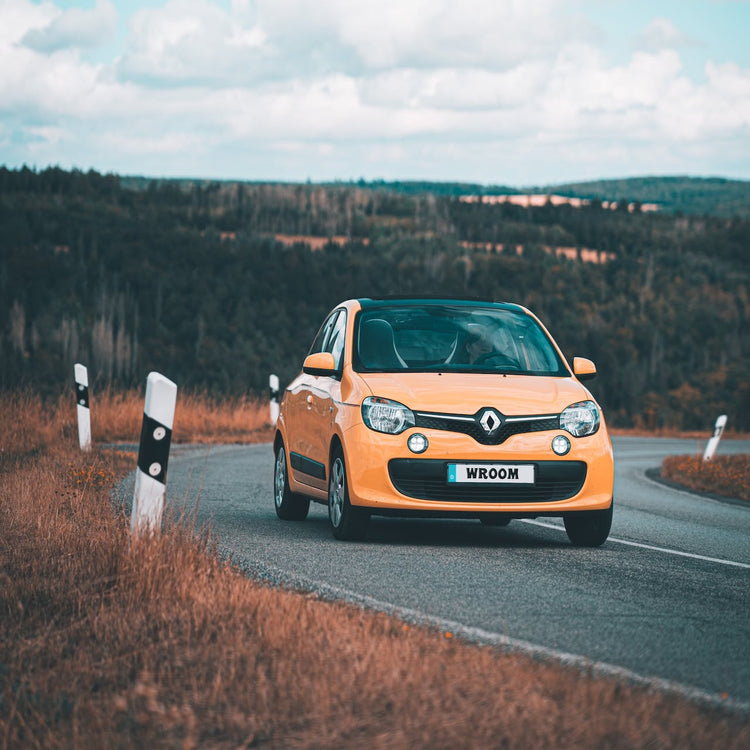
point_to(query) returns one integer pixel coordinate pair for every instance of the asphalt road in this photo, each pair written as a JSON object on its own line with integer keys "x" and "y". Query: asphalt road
{"x": 667, "y": 596}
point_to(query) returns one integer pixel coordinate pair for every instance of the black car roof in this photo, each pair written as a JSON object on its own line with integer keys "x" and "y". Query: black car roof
{"x": 392, "y": 301}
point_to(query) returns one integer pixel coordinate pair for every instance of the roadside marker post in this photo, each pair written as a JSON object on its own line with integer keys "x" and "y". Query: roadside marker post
{"x": 82, "y": 406}
{"x": 713, "y": 441}
{"x": 273, "y": 383}
{"x": 153, "y": 454}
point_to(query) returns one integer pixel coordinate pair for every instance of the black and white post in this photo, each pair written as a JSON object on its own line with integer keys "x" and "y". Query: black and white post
{"x": 713, "y": 441}
{"x": 273, "y": 384}
{"x": 82, "y": 406}
{"x": 153, "y": 454}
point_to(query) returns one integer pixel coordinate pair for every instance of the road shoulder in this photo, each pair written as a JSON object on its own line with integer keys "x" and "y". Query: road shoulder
{"x": 655, "y": 476}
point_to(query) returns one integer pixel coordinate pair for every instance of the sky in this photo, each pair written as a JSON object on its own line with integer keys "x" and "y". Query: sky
{"x": 501, "y": 92}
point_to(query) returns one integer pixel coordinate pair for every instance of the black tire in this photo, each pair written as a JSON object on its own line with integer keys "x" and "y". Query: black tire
{"x": 589, "y": 528}
{"x": 289, "y": 505}
{"x": 347, "y": 522}
{"x": 495, "y": 519}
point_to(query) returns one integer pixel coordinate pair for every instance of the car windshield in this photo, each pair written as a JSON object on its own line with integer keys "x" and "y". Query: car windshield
{"x": 447, "y": 338}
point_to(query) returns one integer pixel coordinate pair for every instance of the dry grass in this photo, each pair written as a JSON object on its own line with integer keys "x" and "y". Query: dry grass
{"x": 722, "y": 475}
{"x": 29, "y": 425}
{"x": 109, "y": 643}
{"x": 117, "y": 416}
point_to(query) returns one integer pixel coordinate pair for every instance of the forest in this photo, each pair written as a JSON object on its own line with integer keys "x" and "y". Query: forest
{"x": 218, "y": 284}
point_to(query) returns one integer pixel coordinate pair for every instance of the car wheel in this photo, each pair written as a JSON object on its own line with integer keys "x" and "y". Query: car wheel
{"x": 289, "y": 505}
{"x": 494, "y": 519}
{"x": 347, "y": 522}
{"x": 589, "y": 528}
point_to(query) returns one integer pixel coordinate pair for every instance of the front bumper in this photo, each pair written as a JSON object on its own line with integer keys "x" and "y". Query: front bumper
{"x": 426, "y": 479}
{"x": 385, "y": 475}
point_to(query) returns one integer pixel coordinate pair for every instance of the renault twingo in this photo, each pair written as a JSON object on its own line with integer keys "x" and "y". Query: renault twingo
{"x": 442, "y": 408}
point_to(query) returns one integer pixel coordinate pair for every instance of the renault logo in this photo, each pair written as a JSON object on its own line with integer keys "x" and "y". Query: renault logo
{"x": 490, "y": 421}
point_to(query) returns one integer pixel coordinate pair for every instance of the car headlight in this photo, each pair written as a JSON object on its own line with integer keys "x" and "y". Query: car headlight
{"x": 384, "y": 415}
{"x": 580, "y": 419}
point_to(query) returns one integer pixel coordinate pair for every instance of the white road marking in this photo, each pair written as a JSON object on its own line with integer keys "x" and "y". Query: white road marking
{"x": 666, "y": 550}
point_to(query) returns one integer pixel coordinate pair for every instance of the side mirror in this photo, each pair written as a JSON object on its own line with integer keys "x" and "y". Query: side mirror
{"x": 320, "y": 363}
{"x": 584, "y": 369}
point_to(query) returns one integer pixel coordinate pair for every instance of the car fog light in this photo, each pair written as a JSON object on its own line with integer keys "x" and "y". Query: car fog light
{"x": 561, "y": 445}
{"x": 417, "y": 443}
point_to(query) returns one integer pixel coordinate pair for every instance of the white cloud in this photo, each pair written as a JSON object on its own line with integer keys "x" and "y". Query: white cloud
{"x": 189, "y": 42}
{"x": 429, "y": 33}
{"x": 718, "y": 109}
{"x": 74, "y": 28}
{"x": 583, "y": 96}
{"x": 167, "y": 143}
{"x": 20, "y": 16}
{"x": 49, "y": 135}
{"x": 661, "y": 34}
{"x": 415, "y": 86}
{"x": 455, "y": 88}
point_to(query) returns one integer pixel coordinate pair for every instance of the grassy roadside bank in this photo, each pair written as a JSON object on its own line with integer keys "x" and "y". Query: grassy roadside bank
{"x": 725, "y": 475}
{"x": 722, "y": 475}
{"x": 161, "y": 644}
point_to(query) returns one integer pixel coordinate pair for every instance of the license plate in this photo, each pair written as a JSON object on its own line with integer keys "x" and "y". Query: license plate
{"x": 491, "y": 473}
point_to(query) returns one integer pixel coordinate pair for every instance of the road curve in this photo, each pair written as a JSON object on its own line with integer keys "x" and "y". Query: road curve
{"x": 666, "y": 597}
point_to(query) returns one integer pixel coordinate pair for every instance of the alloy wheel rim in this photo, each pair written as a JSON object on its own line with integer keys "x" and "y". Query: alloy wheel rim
{"x": 280, "y": 478}
{"x": 336, "y": 492}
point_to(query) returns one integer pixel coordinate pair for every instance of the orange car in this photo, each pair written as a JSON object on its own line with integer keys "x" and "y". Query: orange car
{"x": 442, "y": 408}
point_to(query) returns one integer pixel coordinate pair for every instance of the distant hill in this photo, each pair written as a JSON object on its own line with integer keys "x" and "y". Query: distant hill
{"x": 404, "y": 187}
{"x": 710, "y": 196}
{"x": 448, "y": 189}
{"x": 707, "y": 196}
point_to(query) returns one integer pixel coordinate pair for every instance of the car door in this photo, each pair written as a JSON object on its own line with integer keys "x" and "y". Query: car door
{"x": 316, "y": 395}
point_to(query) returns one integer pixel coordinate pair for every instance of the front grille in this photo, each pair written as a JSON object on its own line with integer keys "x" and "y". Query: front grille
{"x": 426, "y": 479}
{"x": 469, "y": 425}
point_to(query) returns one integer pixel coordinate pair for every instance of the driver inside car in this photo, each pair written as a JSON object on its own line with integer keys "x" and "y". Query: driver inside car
{"x": 477, "y": 344}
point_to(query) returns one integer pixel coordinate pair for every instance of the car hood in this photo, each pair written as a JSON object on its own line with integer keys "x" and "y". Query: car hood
{"x": 460, "y": 393}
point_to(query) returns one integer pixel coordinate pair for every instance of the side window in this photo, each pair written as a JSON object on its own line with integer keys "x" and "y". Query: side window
{"x": 323, "y": 334}
{"x": 335, "y": 342}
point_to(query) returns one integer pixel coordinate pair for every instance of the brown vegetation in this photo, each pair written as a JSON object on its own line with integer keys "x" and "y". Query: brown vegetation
{"x": 722, "y": 475}
{"x": 105, "y": 642}
{"x": 584, "y": 254}
{"x": 199, "y": 418}
{"x": 116, "y": 416}
{"x": 316, "y": 243}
